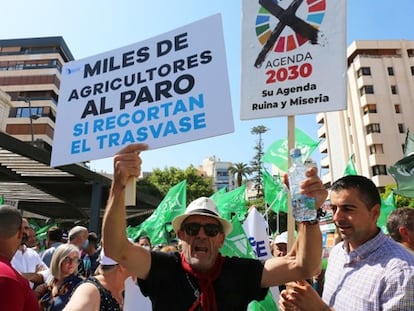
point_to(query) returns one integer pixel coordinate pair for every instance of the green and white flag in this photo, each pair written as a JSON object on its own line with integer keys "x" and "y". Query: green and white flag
{"x": 278, "y": 152}
{"x": 403, "y": 173}
{"x": 275, "y": 192}
{"x": 158, "y": 225}
{"x": 403, "y": 170}
{"x": 232, "y": 203}
{"x": 387, "y": 206}
{"x": 350, "y": 167}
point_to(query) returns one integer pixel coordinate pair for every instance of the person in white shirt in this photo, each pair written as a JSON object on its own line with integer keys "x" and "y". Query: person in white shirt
{"x": 28, "y": 262}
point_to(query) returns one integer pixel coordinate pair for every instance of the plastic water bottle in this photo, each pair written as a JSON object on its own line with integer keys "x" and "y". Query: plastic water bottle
{"x": 303, "y": 207}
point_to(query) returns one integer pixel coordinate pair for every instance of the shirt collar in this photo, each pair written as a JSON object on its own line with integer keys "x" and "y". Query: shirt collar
{"x": 365, "y": 249}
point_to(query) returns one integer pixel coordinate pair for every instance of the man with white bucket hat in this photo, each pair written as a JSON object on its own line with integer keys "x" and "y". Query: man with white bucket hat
{"x": 200, "y": 278}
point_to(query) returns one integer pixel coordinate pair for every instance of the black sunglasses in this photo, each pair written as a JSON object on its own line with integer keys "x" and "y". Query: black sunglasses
{"x": 193, "y": 228}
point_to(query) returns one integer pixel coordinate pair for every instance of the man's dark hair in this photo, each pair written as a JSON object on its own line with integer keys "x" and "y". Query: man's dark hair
{"x": 400, "y": 217}
{"x": 367, "y": 190}
{"x": 143, "y": 237}
{"x": 55, "y": 234}
{"x": 10, "y": 221}
{"x": 93, "y": 239}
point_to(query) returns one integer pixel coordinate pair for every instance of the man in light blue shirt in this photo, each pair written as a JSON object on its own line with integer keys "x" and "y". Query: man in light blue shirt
{"x": 368, "y": 270}
{"x": 54, "y": 239}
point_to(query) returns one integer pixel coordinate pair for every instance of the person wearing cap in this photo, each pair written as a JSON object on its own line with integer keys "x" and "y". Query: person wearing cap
{"x": 101, "y": 292}
{"x": 279, "y": 245}
{"x": 199, "y": 277}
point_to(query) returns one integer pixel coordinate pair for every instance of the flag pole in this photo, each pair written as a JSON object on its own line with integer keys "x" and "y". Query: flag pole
{"x": 290, "y": 219}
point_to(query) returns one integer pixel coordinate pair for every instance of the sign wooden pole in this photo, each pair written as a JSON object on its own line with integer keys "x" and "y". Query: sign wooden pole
{"x": 290, "y": 220}
{"x": 131, "y": 192}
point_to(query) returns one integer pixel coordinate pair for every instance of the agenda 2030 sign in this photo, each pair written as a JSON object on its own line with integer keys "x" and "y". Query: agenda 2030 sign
{"x": 293, "y": 57}
{"x": 163, "y": 91}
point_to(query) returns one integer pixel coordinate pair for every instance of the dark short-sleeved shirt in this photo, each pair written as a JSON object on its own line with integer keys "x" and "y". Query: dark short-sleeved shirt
{"x": 171, "y": 288}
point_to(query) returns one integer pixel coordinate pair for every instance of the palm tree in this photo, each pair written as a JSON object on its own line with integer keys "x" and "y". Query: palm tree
{"x": 240, "y": 170}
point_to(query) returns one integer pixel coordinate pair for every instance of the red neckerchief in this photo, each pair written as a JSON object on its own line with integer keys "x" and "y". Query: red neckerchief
{"x": 207, "y": 299}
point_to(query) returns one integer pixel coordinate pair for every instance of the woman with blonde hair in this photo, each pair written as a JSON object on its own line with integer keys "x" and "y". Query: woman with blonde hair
{"x": 63, "y": 280}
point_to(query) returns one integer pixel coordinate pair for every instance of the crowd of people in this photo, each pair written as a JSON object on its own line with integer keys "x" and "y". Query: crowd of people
{"x": 366, "y": 269}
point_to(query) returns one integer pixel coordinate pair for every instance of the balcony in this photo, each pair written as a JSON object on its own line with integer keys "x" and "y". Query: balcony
{"x": 374, "y": 138}
{"x": 371, "y": 118}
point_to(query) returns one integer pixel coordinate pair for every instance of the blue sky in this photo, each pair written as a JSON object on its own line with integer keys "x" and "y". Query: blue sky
{"x": 92, "y": 27}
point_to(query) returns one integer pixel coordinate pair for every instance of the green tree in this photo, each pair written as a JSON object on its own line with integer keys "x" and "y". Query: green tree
{"x": 197, "y": 185}
{"x": 256, "y": 163}
{"x": 241, "y": 170}
{"x": 400, "y": 201}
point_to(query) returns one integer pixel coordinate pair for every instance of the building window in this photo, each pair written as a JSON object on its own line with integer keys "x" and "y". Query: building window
{"x": 367, "y": 89}
{"x": 394, "y": 89}
{"x": 401, "y": 128}
{"x": 397, "y": 108}
{"x": 364, "y": 71}
{"x": 373, "y": 128}
{"x": 26, "y": 113}
{"x": 376, "y": 149}
{"x": 390, "y": 71}
{"x": 379, "y": 170}
{"x": 412, "y": 70}
{"x": 370, "y": 108}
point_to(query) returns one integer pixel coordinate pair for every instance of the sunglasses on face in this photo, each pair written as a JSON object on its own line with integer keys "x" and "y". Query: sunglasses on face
{"x": 193, "y": 228}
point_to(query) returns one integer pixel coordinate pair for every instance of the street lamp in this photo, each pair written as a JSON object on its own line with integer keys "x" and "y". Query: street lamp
{"x": 31, "y": 116}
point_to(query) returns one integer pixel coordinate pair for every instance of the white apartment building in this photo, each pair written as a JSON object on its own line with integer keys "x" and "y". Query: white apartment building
{"x": 219, "y": 172}
{"x": 380, "y": 91}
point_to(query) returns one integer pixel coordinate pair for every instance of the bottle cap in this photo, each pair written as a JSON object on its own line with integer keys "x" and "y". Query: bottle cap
{"x": 295, "y": 152}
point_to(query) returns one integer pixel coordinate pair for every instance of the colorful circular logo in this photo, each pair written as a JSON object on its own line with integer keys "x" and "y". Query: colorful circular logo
{"x": 315, "y": 14}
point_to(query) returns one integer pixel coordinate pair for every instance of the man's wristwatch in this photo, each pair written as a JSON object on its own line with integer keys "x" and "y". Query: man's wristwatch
{"x": 319, "y": 213}
{"x": 310, "y": 222}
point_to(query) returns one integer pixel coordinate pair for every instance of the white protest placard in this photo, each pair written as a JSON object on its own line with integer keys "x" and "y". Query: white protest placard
{"x": 293, "y": 57}
{"x": 166, "y": 90}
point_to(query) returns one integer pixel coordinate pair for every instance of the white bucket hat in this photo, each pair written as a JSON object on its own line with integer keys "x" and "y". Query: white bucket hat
{"x": 205, "y": 207}
{"x": 105, "y": 260}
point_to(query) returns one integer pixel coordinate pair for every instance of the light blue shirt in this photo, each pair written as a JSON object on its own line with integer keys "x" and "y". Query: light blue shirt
{"x": 48, "y": 253}
{"x": 378, "y": 275}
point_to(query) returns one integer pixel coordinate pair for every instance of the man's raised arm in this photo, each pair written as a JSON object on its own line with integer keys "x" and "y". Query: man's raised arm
{"x": 127, "y": 165}
{"x": 303, "y": 261}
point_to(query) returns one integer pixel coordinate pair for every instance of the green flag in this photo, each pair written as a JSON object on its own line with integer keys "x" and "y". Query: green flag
{"x": 237, "y": 243}
{"x": 265, "y": 305}
{"x": 232, "y": 203}
{"x": 403, "y": 173}
{"x": 275, "y": 193}
{"x": 1, "y": 199}
{"x": 403, "y": 170}
{"x": 218, "y": 193}
{"x": 387, "y": 206}
{"x": 158, "y": 225}
{"x": 278, "y": 153}
{"x": 41, "y": 233}
{"x": 409, "y": 144}
{"x": 350, "y": 167}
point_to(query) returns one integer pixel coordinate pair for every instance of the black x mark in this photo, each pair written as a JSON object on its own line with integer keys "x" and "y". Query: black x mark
{"x": 286, "y": 18}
